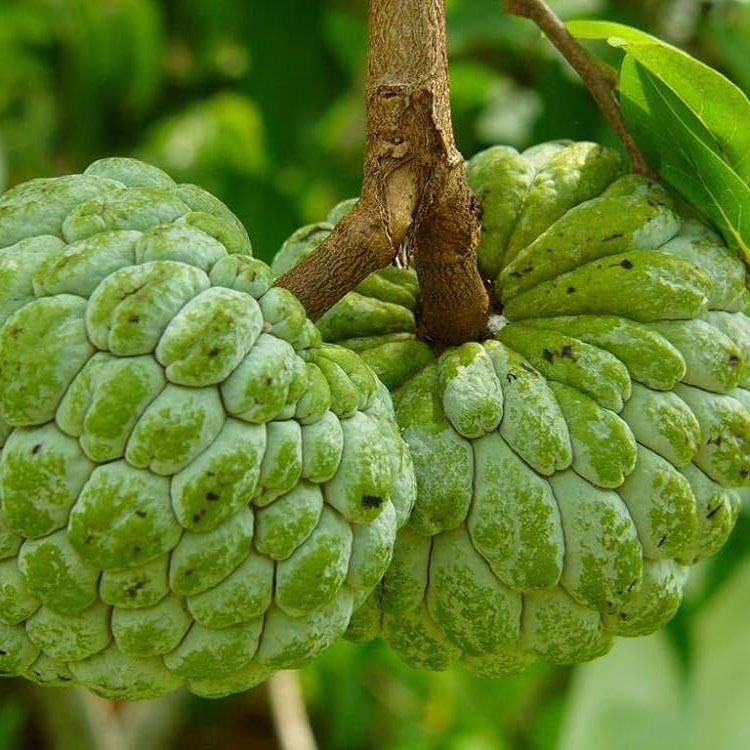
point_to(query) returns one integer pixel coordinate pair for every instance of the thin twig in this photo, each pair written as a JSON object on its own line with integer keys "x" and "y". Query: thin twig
{"x": 153, "y": 724}
{"x": 106, "y": 726}
{"x": 289, "y": 713}
{"x": 598, "y": 78}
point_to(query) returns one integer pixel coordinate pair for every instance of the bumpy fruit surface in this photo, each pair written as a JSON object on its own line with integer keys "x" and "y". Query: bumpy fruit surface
{"x": 195, "y": 490}
{"x": 572, "y": 467}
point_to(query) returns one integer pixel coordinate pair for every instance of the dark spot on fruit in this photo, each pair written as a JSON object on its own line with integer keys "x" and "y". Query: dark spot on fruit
{"x": 197, "y": 516}
{"x": 549, "y": 249}
{"x": 714, "y": 441}
{"x": 135, "y": 588}
{"x": 3, "y": 653}
{"x": 547, "y": 354}
{"x": 134, "y": 319}
{"x": 188, "y": 573}
{"x": 212, "y": 497}
{"x": 64, "y": 678}
{"x": 632, "y": 584}
{"x": 734, "y": 360}
{"x": 744, "y": 472}
{"x": 511, "y": 377}
{"x": 711, "y": 513}
{"x": 214, "y": 352}
{"x": 210, "y": 473}
{"x": 567, "y": 351}
{"x": 661, "y": 541}
{"x": 623, "y": 616}
{"x": 371, "y": 501}
{"x": 528, "y": 269}
{"x": 141, "y": 513}
{"x": 136, "y": 549}
{"x": 613, "y": 237}
{"x": 516, "y": 274}
{"x": 268, "y": 380}
{"x": 571, "y": 290}
{"x": 626, "y": 264}
{"x": 36, "y": 448}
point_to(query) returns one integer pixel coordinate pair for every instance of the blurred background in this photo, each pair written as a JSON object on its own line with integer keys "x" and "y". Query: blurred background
{"x": 260, "y": 101}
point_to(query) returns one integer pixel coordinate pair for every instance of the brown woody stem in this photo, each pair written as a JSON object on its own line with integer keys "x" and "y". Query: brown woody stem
{"x": 358, "y": 245}
{"x": 414, "y": 191}
{"x": 598, "y": 78}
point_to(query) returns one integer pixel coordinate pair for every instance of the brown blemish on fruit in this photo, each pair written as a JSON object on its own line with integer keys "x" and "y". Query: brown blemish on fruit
{"x": 371, "y": 501}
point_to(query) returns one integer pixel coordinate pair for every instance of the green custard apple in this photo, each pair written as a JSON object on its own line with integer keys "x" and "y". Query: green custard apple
{"x": 194, "y": 489}
{"x": 572, "y": 466}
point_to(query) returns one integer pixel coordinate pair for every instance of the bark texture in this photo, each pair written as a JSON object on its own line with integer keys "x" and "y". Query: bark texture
{"x": 414, "y": 193}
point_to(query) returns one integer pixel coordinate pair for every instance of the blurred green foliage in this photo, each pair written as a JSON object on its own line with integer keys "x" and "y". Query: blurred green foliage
{"x": 261, "y": 102}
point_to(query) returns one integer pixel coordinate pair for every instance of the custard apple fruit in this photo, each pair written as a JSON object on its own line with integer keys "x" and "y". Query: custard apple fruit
{"x": 573, "y": 466}
{"x": 194, "y": 488}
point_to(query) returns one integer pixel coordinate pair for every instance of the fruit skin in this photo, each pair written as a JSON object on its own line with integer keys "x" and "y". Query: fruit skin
{"x": 571, "y": 468}
{"x": 194, "y": 490}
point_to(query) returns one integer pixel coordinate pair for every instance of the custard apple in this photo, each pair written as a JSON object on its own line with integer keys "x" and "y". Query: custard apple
{"x": 572, "y": 466}
{"x": 194, "y": 488}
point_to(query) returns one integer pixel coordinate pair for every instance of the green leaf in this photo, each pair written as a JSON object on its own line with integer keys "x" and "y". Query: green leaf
{"x": 639, "y": 697}
{"x": 631, "y": 698}
{"x": 616, "y": 34}
{"x": 721, "y": 107}
{"x": 719, "y": 687}
{"x": 690, "y": 122}
{"x": 677, "y": 144}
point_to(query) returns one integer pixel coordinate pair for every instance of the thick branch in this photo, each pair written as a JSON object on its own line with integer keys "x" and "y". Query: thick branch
{"x": 598, "y": 78}
{"x": 455, "y": 303}
{"x": 414, "y": 190}
{"x": 359, "y": 245}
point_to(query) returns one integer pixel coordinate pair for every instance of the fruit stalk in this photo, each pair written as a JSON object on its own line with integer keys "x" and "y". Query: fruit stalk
{"x": 414, "y": 195}
{"x": 600, "y": 80}
{"x": 289, "y": 713}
